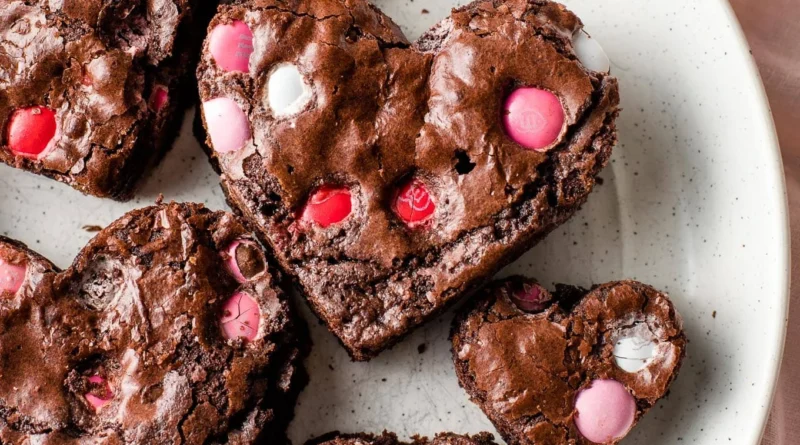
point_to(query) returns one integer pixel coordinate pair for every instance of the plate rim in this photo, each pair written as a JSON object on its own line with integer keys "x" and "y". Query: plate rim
{"x": 778, "y": 181}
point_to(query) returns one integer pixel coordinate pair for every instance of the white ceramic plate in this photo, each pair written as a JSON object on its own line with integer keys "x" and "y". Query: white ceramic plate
{"x": 693, "y": 202}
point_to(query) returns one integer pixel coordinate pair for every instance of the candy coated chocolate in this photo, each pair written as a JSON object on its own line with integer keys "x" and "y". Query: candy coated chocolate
{"x": 534, "y": 118}
{"x": 231, "y": 46}
{"x": 227, "y": 124}
{"x": 328, "y": 205}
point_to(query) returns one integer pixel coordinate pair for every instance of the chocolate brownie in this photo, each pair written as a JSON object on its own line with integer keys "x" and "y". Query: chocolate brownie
{"x": 386, "y": 438}
{"x": 169, "y": 328}
{"x": 90, "y": 90}
{"x": 392, "y": 178}
{"x": 574, "y": 366}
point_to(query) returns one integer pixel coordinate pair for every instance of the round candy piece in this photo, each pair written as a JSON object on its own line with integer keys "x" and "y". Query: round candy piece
{"x": 414, "y": 204}
{"x": 605, "y": 411}
{"x": 632, "y": 353}
{"x": 287, "y": 91}
{"x": 244, "y": 260}
{"x": 227, "y": 124}
{"x": 533, "y": 118}
{"x": 99, "y": 398}
{"x": 11, "y": 276}
{"x": 32, "y": 131}
{"x": 327, "y": 205}
{"x": 240, "y": 317}
{"x": 159, "y": 98}
{"x": 531, "y": 297}
{"x": 231, "y": 46}
{"x": 590, "y": 53}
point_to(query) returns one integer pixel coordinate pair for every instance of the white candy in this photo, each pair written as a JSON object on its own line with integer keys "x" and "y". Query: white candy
{"x": 287, "y": 91}
{"x": 632, "y": 353}
{"x": 590, "y": 53}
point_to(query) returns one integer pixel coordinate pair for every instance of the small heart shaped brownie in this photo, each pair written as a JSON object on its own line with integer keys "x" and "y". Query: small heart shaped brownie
{"x": 90, "y": 90}
{"x": 387, "y": 438}
{"x": 392, "y": 178}
{"x": 169, "y": 328}
{"x": 572, "y": 367}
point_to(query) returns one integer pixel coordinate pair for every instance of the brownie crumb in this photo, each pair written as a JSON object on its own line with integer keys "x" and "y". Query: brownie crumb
{"x": 422, "y": 348}
{"x": 91, "y": 228}
{"x": 425, "y": 11}
{"x": 714, "y": 314}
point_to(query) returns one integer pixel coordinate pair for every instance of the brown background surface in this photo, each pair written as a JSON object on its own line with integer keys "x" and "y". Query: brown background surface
{"x": 773, "y": 29}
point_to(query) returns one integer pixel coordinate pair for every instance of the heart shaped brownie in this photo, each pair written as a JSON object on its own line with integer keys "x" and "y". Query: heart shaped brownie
{"x": 392, "y": 178}
{"x": 90, "y": 90}
{"x": 387, "y": 438}
{"x": 169, "y": 328}
{"x": 574, "y": 366}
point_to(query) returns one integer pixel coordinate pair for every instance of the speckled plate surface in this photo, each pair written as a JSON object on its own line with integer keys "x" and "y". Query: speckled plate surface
{"x": 693, "y": 202}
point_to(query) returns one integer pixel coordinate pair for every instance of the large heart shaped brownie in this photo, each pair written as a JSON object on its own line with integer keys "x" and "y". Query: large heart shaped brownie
{"x": 167, "y": 329}
{"x": 572, "y": 367}
{"x": 392, "y": 178}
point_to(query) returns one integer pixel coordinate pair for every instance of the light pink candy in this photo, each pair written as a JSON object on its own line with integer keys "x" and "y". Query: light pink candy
{"x": 230, "y": 262}
{"x": 231, "y": 46}
{"x": 11, "y": 276}
{"x": 99, "y": 402}
{"x": 606, "y": 411}
{"x": 227, "y": 124}
{"x": 240, "y": 317}
{"x": 533, "y": 117}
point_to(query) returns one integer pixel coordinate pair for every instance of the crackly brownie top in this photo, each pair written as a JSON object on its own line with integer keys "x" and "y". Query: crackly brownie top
{"x": 153, "y": 335}
{"x": 391, "y": 439}
{"x": 77, "y": 78}
{"x": 355, "y": 149}
{"x": 573, "y": 365}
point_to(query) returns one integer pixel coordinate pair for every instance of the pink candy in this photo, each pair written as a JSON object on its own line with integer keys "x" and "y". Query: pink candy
{"x": 327, "y": 205}
{"x": 159, "y": 98}
{"x": 11, "y": 276}
{"x": 606, "y": 411}
{"x": 533, "y": 118}
{"x": 240, "y": 317}
{"x": 531, "y": 298}
{"x": 231, "y": 46}
{"x": 96, "y": 401}
{"x": 413, "y": 203}
{"x": 32, "y": 132}
{"x": 227, "y": 124}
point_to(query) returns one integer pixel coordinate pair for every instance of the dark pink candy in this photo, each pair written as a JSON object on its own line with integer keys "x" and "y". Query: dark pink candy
{"x": 11, "y": 276}
{"x": 533, "y": 117}
{"x": 531, "y": 297}
{"x": 327, "y": 205}
{"x": 240, "y": 317}
{"x": 413, "y": 203}
{"x": 231, "y": 46}
{"x": 98, "y": 402}
{"x": 32, "y": 131}
{"x": 159, "y": 98}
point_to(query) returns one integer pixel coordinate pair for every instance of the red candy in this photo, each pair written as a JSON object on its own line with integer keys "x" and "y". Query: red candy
{"x": 11, "y": 276}
{"x": 240, "y": 317}
{"x": 231, "y": 46}
{"x": 159, "y": 98}
{"x": 534, "y": 118}
{"x": 327, "y": 205}
{"x": 32, "y": 131}
{"x": 531, "y": 298}
{"x": 96, "y": 401}
{"x": 413, "y": 203}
